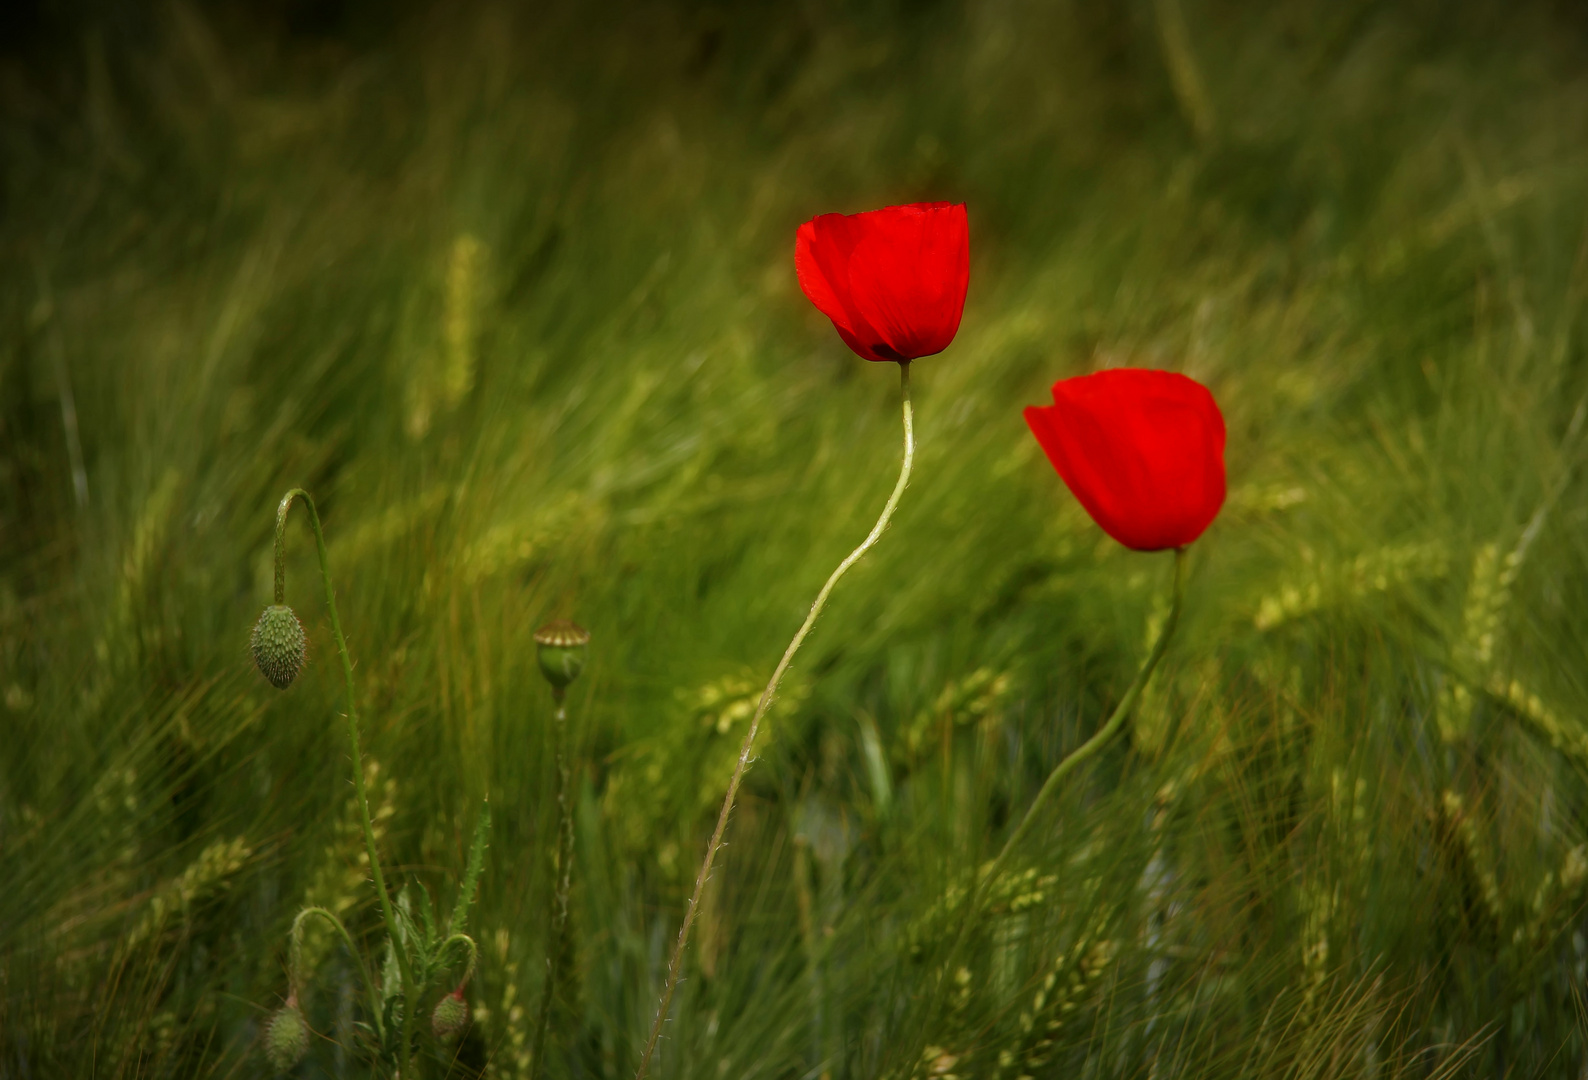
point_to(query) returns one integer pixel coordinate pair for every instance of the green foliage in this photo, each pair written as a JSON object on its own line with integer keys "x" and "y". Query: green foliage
{"x": 511, "y": 291}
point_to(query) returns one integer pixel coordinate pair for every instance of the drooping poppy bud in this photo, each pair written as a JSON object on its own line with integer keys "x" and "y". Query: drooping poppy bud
{"x": 560, "y": 647}
{"x": 286, "y": 1036}
{"x": 893, "y": 280}
{"x": 1142, "y": 451}
{"x": 450, "y": 1016}
{"x": 279, "y": 645}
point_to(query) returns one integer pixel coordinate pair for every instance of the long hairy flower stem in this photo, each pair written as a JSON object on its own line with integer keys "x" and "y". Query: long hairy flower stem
{"x": 989, "y": 874}
{"x": 745, "y": 748}
{"x": 557, "y": 944}
{"x": 410, "y": 990}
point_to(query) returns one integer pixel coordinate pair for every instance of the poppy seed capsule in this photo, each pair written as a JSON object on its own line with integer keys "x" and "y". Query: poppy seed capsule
{"x": 560, "y": 648}
{"x": 286, "y": 1037}
{"x": 279, "y": 645}
{"x": 450, "y": 1017}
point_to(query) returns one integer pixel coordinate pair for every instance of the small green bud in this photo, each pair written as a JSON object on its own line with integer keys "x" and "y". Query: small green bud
{"x": 560, "y": 648}
{"x": 279, "y": 645}
{"x": 450, "y": 1017}
{"x": 286, "y": 1036}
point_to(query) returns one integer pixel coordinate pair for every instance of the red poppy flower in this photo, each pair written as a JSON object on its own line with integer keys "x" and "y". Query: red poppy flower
{"x": 892, "y": 280}
{"x": 1143, "y": 452}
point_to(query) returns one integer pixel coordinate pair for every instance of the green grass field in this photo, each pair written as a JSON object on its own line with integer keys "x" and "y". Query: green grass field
{"x": 511, "y": 291}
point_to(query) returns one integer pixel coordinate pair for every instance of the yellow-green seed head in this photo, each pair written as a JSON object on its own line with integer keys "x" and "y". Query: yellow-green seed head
{"x": 286, "y": 1037}
{"x": 279, "y": 645}
{"x": 450, "y": 1017}
{"x": 560, "y": 647}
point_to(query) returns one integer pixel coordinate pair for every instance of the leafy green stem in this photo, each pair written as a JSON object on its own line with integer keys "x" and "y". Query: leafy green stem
{"x": 387, "y": 914}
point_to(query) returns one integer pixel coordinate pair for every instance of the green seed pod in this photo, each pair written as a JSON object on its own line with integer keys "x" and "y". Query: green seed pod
{"x": 450, "y": 1016}
{"x": 279, "y": 645}
{"x": 560, "y": 648}
{"x": 286, "y": 1036}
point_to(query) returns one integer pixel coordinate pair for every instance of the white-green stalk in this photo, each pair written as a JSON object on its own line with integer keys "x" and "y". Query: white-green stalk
{"x": 675, "y": 963}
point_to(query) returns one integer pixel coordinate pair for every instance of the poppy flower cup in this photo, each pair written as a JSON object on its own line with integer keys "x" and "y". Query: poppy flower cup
{"x": 1142, "y": 451}
{"x": 893, "y": 281}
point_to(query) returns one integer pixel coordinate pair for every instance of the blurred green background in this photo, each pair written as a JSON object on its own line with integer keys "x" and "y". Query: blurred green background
{"x": 509, "y": 288}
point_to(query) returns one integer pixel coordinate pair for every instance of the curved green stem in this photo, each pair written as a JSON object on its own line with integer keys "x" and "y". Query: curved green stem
{"x": 674, "y": 964}
{"x": 295, "y": 966}
{"x": 1085, "y": 751}
{"x": 1105, "y": 733}
{"x": 556, "y": 944}
{"x": 1082, "y": 753}
{"x": 387, "y": 914}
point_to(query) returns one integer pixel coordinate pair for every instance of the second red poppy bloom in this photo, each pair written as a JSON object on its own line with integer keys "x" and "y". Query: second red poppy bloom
{"x": 893, "y": 281}
{"x": 1142, "y": 450}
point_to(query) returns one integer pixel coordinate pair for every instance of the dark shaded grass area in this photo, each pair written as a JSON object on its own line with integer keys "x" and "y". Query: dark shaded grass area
{"x": 510, "y": 290}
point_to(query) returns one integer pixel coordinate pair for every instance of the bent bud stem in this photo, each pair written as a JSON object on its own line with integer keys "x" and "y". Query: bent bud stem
{"x": 470, "y": 947}
{"x": 745, "y": 748}
{"x": 296, "y": 974}
{"x": 410, "y": 989}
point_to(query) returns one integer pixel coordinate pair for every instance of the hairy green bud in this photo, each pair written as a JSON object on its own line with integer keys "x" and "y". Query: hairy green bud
{"x": 560, "y": 648}
{"x": 450, "y": 1016}
{"x": 279, "y": 645}
{"x": 286, "y": 1036}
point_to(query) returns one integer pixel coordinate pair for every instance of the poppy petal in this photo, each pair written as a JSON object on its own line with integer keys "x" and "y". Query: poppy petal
{"x": 813, "y": 279}
{"x": 908, "y": 277}
{"x": 1142, "y": 451}
{"x": 893, "y": 281}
